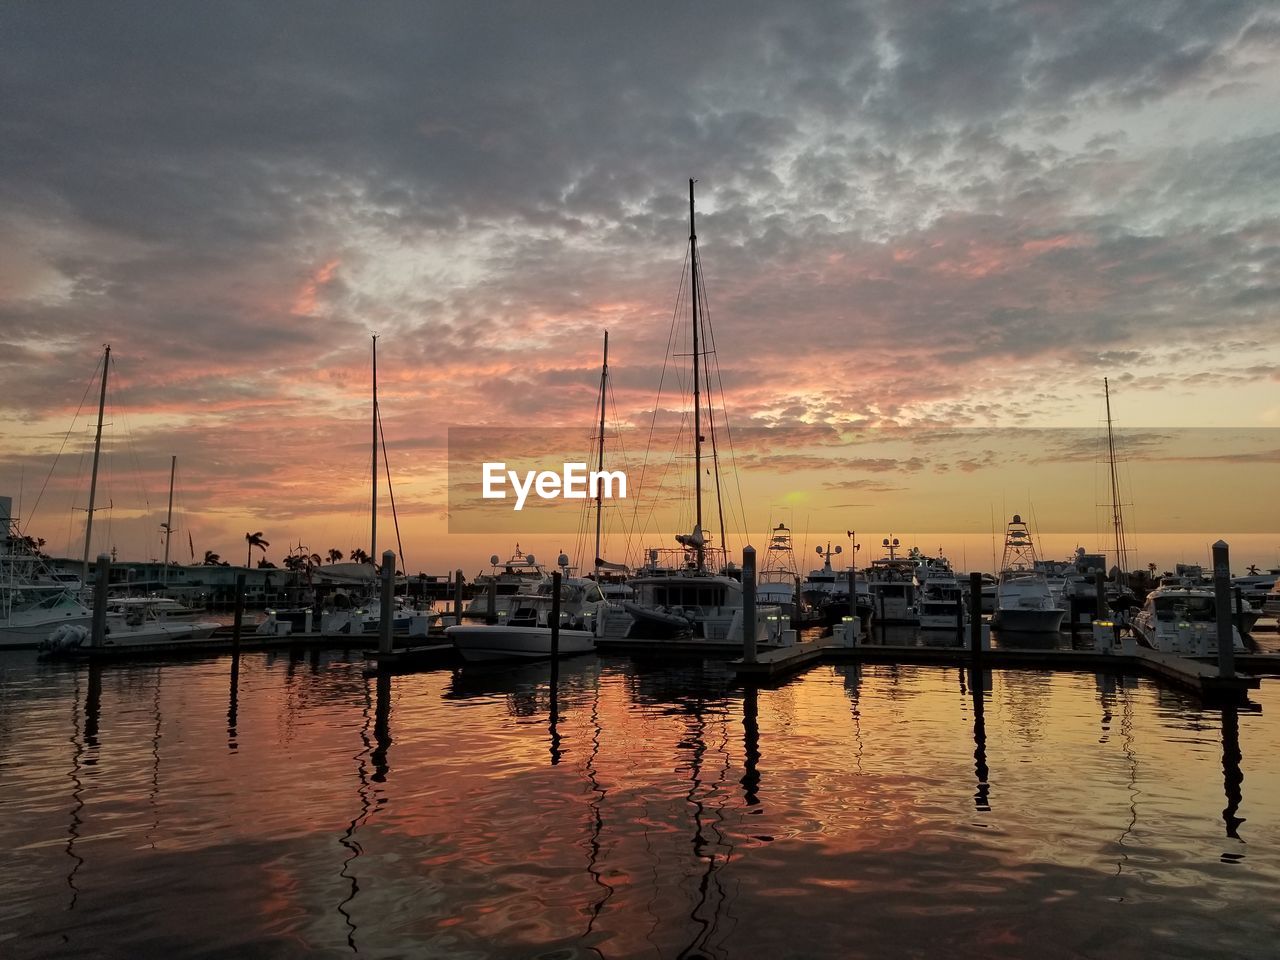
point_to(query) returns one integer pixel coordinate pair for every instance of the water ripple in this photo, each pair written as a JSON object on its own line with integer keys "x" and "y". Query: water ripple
{"x": 288, "y": 805}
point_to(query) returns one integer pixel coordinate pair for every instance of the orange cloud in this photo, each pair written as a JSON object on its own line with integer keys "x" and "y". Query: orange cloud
{"x": 304, "y": 304}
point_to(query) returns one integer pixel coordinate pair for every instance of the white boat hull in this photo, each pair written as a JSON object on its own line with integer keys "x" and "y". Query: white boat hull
{"x": 482, "y": 642}
{"x": 1187, "y": 639}
{"x": 17, "y": 635}
{"x": 159, "y": 633}
{"x": 1015, "y": 620}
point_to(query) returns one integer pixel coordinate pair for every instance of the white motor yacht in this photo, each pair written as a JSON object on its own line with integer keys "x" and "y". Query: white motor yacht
{"x": 891, "y": 580}
{"x": 1179, "y": 617}
{"x": 520, "y": 573}
{"x": 523, "y": 630}
{"x": 940, "y": 601}
{"x": 33, "y": 600}
{"x": 1024, "y": 602}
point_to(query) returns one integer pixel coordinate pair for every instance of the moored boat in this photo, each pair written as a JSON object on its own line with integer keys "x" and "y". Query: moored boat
{"x": 891, "y": 581}
{"x": 33, "y": 601}
{"x": 132, "y": 622}
{"x": 1024, "y": 602}
{"x": 524, "y": 628}
{"x": 1181, "y": 617}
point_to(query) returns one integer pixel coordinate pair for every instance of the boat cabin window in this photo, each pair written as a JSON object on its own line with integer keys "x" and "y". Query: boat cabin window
{"x": 1196, "y": 609}
{"x": 688, "y": 595}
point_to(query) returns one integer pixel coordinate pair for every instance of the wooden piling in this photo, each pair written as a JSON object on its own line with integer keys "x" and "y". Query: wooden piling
{"x": 457, "y": 596}
{"x": 238, "y": 618}
{"x": 1100, "y": 595}
{"x": 749, "y": 604}
{"x": 853, "y": 588}
{"x": 102, "y": 578}
{"x": 386, "y": 616}
{"x": 555, "y": 622}
{"x": 491, "y": 614}
{"x": 1222, "y": 605}
{"x": 975, "y": 615}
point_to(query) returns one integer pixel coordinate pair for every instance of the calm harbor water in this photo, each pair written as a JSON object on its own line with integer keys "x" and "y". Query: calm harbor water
{"x": 289, "y": 806}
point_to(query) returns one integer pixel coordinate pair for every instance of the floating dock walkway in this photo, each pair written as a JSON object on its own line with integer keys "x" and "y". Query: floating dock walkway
{"x": 1196, "y": 675}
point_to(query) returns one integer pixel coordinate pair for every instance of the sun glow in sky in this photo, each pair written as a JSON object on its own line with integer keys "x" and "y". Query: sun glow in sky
{"x": 939, "y": 219}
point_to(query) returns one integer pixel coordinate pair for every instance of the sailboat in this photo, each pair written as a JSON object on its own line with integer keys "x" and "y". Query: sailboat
{"x": 346, "y": 614}
{"x": 523, "y": 597}
{"x": 35, "y": 602}
{"x": 1024, "y": 603}
{"x": 676, "y": 595}
{"x": 129, "y": 621}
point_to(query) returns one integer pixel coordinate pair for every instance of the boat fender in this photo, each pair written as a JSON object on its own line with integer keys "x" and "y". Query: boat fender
{"x": 67, "y": 637}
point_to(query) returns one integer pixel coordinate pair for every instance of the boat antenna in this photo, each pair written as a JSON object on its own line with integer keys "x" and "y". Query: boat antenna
{"x": 97, "y": 449}
{"x": 604, "y": 378}
{"x": 697, "y": 395}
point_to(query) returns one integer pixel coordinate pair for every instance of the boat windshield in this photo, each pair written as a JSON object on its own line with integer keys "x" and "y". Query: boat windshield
{"x": 1196, "y": 609}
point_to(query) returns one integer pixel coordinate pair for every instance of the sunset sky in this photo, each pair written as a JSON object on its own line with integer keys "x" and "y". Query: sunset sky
{"x": 921, "y": 224}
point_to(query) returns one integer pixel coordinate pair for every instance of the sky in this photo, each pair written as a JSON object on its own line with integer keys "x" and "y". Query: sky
{"x": 920, "y": 225}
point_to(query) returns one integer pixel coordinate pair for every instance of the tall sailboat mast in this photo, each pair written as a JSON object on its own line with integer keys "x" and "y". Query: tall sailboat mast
{"x": 697, "y": 396}
{"x": 1117, "y": 511}
{"x": 373, "y": 509}
{"x": 168, "y": 522}
{"x": 97, "y": 449}
{"x": 604, "y": 377}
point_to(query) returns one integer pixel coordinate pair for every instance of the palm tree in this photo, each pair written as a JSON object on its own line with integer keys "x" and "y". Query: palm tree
{"x": 211, "y": 559}
{"x": 1252, "y": 570}
{"x": 313, "y": 560}
{"x": 359, "y": 556}
{"x": 335, "y": 555}
{"x": 254, "y": 540}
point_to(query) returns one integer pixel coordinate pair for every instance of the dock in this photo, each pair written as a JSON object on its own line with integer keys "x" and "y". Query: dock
{"x": 1195, "y": 675}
